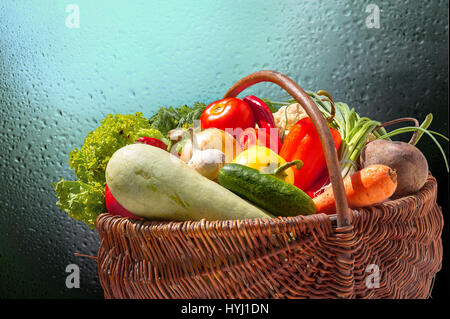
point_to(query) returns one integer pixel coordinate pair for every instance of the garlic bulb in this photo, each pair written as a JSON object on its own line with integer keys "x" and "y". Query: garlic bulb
{"x": 206, "y": 162}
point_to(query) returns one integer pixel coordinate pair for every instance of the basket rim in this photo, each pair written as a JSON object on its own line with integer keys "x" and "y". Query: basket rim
{"x": 275, "y": 223}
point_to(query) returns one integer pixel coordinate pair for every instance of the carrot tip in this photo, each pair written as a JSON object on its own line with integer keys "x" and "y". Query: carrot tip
{"x": 392, "y": 175}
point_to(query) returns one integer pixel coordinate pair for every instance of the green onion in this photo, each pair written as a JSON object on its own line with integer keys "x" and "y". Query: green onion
{"x": 426, "y": 123}
{"x": 355, "y": 130}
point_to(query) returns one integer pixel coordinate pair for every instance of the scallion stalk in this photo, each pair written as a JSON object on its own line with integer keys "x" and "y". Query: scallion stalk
{"x": 355, "y": 130}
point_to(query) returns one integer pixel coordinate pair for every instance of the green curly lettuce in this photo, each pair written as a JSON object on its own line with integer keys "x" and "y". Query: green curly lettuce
{"x": 115, "y": 132}
{"x": 79, "y": 200}
{"x": 84, "y": 199}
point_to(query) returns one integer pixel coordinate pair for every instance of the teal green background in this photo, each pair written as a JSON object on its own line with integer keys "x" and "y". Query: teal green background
{"x": 57, "y": 83}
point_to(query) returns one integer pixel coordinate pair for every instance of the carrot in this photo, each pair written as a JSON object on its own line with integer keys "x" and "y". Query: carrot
{"x": 372, "y": 184}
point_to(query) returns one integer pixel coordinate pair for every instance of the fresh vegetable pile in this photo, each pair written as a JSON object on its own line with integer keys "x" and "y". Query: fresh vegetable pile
{"x": 247, "y": 158}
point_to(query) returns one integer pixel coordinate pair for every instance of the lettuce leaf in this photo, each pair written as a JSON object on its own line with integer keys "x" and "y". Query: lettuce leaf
{"x": 80, "y": 200}
{"x": 116, "y": 131}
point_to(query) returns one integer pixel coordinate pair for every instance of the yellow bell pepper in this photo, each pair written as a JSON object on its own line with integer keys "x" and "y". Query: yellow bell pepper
{"x": 265, "y": 160}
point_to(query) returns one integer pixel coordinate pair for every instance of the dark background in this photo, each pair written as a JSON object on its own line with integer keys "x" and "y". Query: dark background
{"x": 57, "y": 83}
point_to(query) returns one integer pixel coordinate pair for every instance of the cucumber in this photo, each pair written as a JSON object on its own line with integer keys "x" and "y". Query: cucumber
{"x": 266, "y": 191}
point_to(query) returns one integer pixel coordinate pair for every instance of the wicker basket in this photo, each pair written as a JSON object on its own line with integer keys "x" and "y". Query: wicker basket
{"x": 389, "y": 250}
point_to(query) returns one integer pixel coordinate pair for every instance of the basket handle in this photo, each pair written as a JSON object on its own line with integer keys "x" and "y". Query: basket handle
{"x": 331, "y": 158}
{"x": 413, "y": 139}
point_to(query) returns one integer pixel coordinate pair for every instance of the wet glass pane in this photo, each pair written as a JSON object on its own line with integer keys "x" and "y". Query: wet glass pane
{"x": 64, "y": 65}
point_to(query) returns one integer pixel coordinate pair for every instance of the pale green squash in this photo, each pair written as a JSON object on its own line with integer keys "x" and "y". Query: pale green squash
{"x": 154, "y": 184}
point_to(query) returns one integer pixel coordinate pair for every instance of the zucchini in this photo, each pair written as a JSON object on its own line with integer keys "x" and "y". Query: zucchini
{"x": 266, "y": 191}
{"x": 154, "y": 184}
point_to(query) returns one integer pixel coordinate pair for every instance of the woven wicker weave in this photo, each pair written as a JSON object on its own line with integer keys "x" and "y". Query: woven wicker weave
{"x": 318, "y": 256}
{"x": 292, "y": 257}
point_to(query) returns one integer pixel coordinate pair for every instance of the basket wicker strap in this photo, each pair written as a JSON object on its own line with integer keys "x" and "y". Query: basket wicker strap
{"x": 343, "y": 214}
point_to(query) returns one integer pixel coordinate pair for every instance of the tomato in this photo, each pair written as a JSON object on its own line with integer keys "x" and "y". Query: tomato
{"x": 230, "y": 113}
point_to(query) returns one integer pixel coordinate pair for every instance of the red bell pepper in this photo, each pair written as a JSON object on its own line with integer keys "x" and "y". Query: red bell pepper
{"x": 257, "y": 136}
{"x": 320, "y": 182}
{"x": 265, "y": 120}
{"x": 263, "y": 115}
{"x": 114, "y": 207}
{"x": 303, "y": 143}
{"x": 153, "y": 142}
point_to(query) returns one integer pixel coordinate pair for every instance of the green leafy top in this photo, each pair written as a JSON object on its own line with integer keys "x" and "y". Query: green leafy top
{"x": 168, "y": 118}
